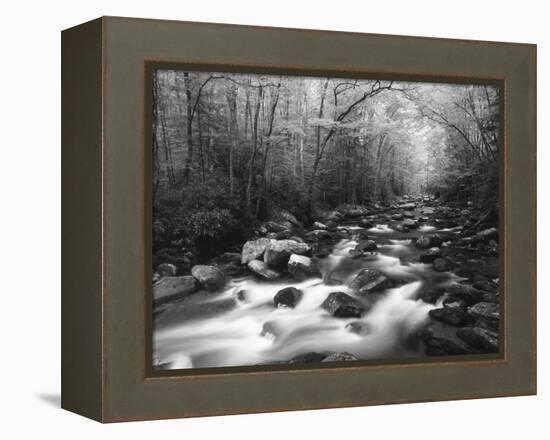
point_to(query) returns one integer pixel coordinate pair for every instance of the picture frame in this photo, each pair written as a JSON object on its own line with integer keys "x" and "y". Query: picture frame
{"x": 107, "y": 222}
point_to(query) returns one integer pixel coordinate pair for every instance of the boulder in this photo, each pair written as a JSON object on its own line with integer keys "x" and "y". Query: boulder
{"x": 229, "y": 263}
{"x": 431, "y": 296}
{"x": 359, "y": 327}
{"x": 368, "y": 280}
{"x": 339, "y": 357}
{"x": 456, "y": 316}
{"x": 397, "y": 216}
{"x": 408, "y": 206}
{"x": 486, "y": 315}
{"x": 341, "y": 305}
{"x": 290, "y": 218}
{"x": 287, "y": 297}
{"x": 355, "y": 211}
{"x": 428, "y": 210}
{"x": 254, "y": 249}
{"x": 480, "y": 338}
{"x": 282, "y": 235}
{"x": 428, "y": 241}
{"x": 462, "y": 293}
{"x": 242, "y": 295}
{"x": 322, "y": 252}
{"x": 170, "y": 288}
{"x": 260, "y": 269}
{"x": 333, "y": 216}
{"x": 319, "y": 225}
{"x": 408, "y": 214}
{"x": 182, "y": 260}
{"x": 272, "y": 226}
{"x": 167, "y": 270}
{"x": 317, "y": 234}
{"x": 278, "y": 252}
{"x": 272, "y": 329}
{"x": 366, "y": 246}
{"x": 332, "y": 225}
{"x": 296, "y": 238}
{"x": 363, "y": 248}
{"x": 210, "y": 277}
{"x": 487, "y": 235}
{"x": 441, "y": 264}
{"x": 486, "y": 286}
{"x": 366, "y": 223}
{"x": 410, "y": 223}
{"x": 400, "y": 227}
{"x": 308, "y": 357}
{"x": 431, "y": 255}
{"x": 441, "y": 339}
{"x": 302, "y": 267}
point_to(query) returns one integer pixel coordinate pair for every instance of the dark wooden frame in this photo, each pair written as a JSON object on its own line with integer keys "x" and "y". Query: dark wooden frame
{"x": 106, "y": 219}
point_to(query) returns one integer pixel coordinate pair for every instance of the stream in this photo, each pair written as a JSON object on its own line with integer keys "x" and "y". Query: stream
{"x": 240, "y": 325}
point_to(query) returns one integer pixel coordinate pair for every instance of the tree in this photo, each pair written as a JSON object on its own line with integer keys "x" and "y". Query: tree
{"x": 266, "y": 143}
{"x": 231, "y": 95}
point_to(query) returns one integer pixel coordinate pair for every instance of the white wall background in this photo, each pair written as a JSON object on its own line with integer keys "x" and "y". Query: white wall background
{"x": 30, "y": 219}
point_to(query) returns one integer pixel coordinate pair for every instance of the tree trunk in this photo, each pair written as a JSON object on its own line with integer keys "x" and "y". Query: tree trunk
{"x": 189, "y": 127}
{"x": 303, "y": 135}
{"x": 231, "y": 97}
{"x": 201, "y": 149}
{"x": 318, "y": 152}
{"x": 271, "y": 116}
{"x": 378, "y": 165}
{"x": 161, "y": 117}
{"x": 254, "y": 147}
{"x": 156, "y": 159}
{"x": 261, "y": 188}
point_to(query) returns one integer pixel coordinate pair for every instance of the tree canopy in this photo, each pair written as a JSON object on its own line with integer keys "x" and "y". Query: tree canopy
{"x": 233, "y": 148}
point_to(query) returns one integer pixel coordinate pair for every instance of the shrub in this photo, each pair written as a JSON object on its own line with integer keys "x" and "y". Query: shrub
{"x": 208, "y": 223}
{"x": 204, "y": 218}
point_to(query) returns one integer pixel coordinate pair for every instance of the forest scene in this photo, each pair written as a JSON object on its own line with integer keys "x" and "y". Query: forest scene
{"x": 310, "y": 219}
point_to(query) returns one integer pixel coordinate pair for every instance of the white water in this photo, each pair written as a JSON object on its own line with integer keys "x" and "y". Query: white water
{"x": 426, "y": 228}
{"x": 381, "y": 229}
{"x": 254, "y": 332}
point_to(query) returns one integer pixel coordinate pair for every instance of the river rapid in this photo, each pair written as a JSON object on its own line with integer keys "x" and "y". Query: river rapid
{"x": 240, "y": 325}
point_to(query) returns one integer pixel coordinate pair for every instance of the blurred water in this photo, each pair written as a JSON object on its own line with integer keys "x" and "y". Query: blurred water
{"x": 254, "y": 332}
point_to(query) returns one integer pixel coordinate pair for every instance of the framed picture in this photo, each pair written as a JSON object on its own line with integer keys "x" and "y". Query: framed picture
{"x": 262, "y": 219}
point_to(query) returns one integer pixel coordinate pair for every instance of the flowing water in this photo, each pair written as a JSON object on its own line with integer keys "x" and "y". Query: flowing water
{"x": 214, "y": 330}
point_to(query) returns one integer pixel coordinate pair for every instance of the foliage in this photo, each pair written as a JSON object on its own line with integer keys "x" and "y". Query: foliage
{"x": 230, "y": 149}
{"x": 208, "y": 223}
{"x": 205, "y": 220}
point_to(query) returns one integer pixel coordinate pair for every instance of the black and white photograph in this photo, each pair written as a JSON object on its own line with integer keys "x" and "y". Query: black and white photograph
{"x": 277, "y": 221}
{"x": 311, "y": 220}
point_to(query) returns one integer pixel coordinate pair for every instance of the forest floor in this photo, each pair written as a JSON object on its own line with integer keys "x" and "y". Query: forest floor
{"x": 419, "y": 277}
